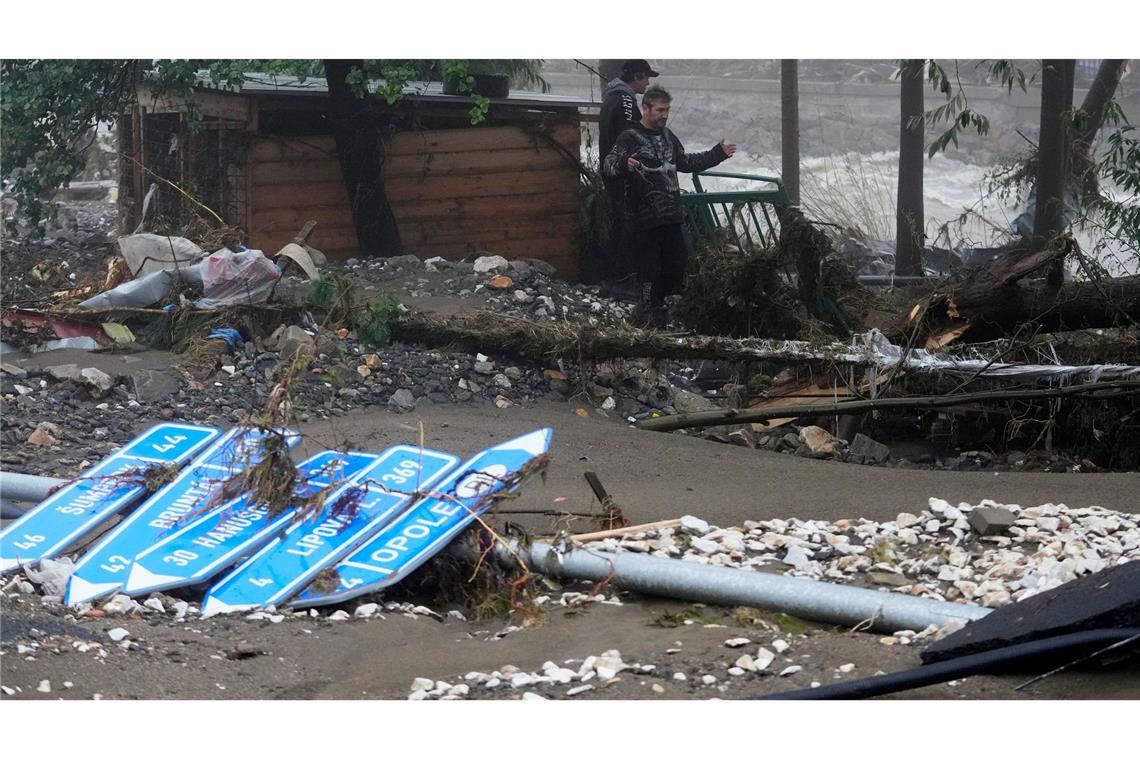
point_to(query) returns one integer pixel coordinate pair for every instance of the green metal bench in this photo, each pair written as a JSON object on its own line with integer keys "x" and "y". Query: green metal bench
{"x": 750, "y": 216}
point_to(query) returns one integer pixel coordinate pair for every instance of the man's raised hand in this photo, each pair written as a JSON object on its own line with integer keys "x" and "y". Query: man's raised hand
{"x": 728, "y": 148}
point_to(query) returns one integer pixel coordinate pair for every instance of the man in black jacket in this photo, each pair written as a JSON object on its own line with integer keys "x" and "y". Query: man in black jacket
{"x": 648, "y": 156}
{"x": 619, "y": 112}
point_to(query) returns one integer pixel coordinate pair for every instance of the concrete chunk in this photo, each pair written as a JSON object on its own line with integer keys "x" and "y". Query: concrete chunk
{"x": 990, "y": 521}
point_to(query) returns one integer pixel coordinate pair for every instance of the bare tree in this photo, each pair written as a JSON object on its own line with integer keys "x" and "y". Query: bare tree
{"x": 790, "y": 127}
{"x": 360, "y": 151}
{"x": 1096, "y": 100}
{"x": 910, "y": 216}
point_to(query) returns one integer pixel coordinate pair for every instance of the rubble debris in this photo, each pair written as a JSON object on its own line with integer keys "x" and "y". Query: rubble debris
{"x": 991, "y": 521}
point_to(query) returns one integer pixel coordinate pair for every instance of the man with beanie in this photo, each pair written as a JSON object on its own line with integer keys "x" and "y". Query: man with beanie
{"x": 619, "y": 112}
{"x": 647, "y": 156}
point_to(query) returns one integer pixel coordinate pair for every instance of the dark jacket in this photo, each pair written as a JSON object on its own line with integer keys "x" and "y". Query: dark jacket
{"x": 653, "y": 195}
{"x": 619, "y": 113}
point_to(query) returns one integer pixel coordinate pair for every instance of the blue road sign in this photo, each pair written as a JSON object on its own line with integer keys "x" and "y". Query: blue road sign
{"x": 412, "y": 538}
{"x": 66, "y": 516}
{"x": 106, "y": 566}
{"x": 294, "y": 558}
{"x": 224, "y": 536}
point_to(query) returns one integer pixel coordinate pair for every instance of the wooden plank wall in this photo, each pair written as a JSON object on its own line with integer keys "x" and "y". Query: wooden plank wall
{"x": 453, "y": 192}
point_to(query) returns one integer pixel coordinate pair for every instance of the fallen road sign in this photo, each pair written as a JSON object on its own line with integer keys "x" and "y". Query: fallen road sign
{"x": 222, "y": 537}
{"x": 104, "y": 568}
{"x": 47, "y": 530}
{"x": 294, "y": 558}
{"x": 415, "y": 536}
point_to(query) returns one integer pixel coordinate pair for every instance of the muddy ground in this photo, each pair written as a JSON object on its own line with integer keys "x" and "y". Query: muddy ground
{"x": 654, "y": 476}
{"x": 47, "y": 653}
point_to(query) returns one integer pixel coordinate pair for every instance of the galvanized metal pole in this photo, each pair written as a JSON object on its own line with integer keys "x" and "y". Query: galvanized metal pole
{"x": 15, "y": 485}
{"x": 808, "y": 599}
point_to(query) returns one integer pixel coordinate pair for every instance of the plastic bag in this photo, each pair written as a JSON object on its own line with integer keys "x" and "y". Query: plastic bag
{"x": 231, "y": 278}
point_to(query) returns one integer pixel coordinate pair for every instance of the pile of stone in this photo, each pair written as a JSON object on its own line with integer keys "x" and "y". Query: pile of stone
{"x": 989, "y": 554}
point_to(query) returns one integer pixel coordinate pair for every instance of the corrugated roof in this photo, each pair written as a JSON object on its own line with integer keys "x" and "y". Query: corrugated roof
{"x": 266, "y": 84}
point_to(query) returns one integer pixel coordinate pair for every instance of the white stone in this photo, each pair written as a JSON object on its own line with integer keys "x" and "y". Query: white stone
{"x": 694, "y": 525}
{"x": 366, "y": 610}
{"x": 118, "y": 634}
{"x": 745, "y": 662}
{"x": 763, "y": 659}
{"x": 121, "y": 604}
{"x": 708, "y": 680}
{"x": 780, "y": 646}
{"x": 493, "y": 682}
{"x": 609, "y": 404}
{"x": 422, "y": 684}
{"x": 45, "y": 686}
{"x": 417, "y": 696}
{"x": 485, "y": 264}
{"x": 530, "y": 696}
{"x": 739, "y": 642}
{"x": 579, "y": 690}
{"x": 736, "y": 671}
{"x": 846, "y": 668}
{"x": 906, "y": 520}
{"x": 154, "y": 604}
{"x": 339, "y": 615}
{"x": 791, "y": 669}
{"x": 522, "y": 679}
{"x": 704, "y": 546}
{"x": 680, "y": 677}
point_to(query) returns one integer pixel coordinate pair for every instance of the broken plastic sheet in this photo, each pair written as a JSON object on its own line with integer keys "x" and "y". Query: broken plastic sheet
{"x": 227, "y": 278}
{"x": 146, "y": 253}
{"x": 230, "y": 279}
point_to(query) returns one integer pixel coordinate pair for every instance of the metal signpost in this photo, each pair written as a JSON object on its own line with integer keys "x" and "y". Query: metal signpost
{"x": 105, "y": 567}
{"x": 415, "y": 536}
{"x": 65, "y": 517}
{"x": 224, "y": 536}
{"x": 294, "y": 558}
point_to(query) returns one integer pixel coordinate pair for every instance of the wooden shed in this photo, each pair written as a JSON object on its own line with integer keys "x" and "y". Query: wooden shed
{"x": 263, "y": 157}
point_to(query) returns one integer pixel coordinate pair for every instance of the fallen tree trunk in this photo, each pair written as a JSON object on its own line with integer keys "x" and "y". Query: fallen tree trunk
{"x": 489, "y": 332}
{"x": 996, "y": 300}
{"x": 735, "y": 416}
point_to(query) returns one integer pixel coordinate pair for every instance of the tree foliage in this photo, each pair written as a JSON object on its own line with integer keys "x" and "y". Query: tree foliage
{"x": 49, "y": 108}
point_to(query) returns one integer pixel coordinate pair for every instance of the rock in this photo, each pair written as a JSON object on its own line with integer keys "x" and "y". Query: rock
{"x": 579, "y": 690}
{"x": 155, "y": 604}
{"x": 694, "y": 525}
{"x": 687, "y": 402}
{"x": 553, "y": 374}
{"x": 763, "y": 659}
{"x": 746, "y": 663}
{"x": 906, "y": 520}
{"x": 295, "y": 341}
{"x": 797, "y": 557}
{"x": 407, "y": 261}
{"x": 366, "y": 610}
{"x": 118, "y": 634}
{"x": 502, "y": 402}
{"x": 791, "y": 669}
{"x": 780, "y": 646}
{"x": 540, "y": 266}
{"x": 819, "y": 440}
{"x": 990, "y": 521}
{"x": 41, "y": 437}
{"x": 339, "y": 615}
{"x": 423, "y": 684}
{"x": 501, "y": 381}
{"x": 704, "y": 546}
{"x": 121, "y": 604}
{"x": 44, "y": 687}
{"x": 870, "y": 449}
{"x": 484, "y": 367}
{"x": 485, "y": 264}
{"x": 97, "y": 381}
{"x": 500, "y": 282}
{"x": 65, "y": 372}
{"x": 154, "y": 385}
{"x": 735, "y": 643}
{"x": 402, "y": 401}
{"x": 609, "y": 404}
